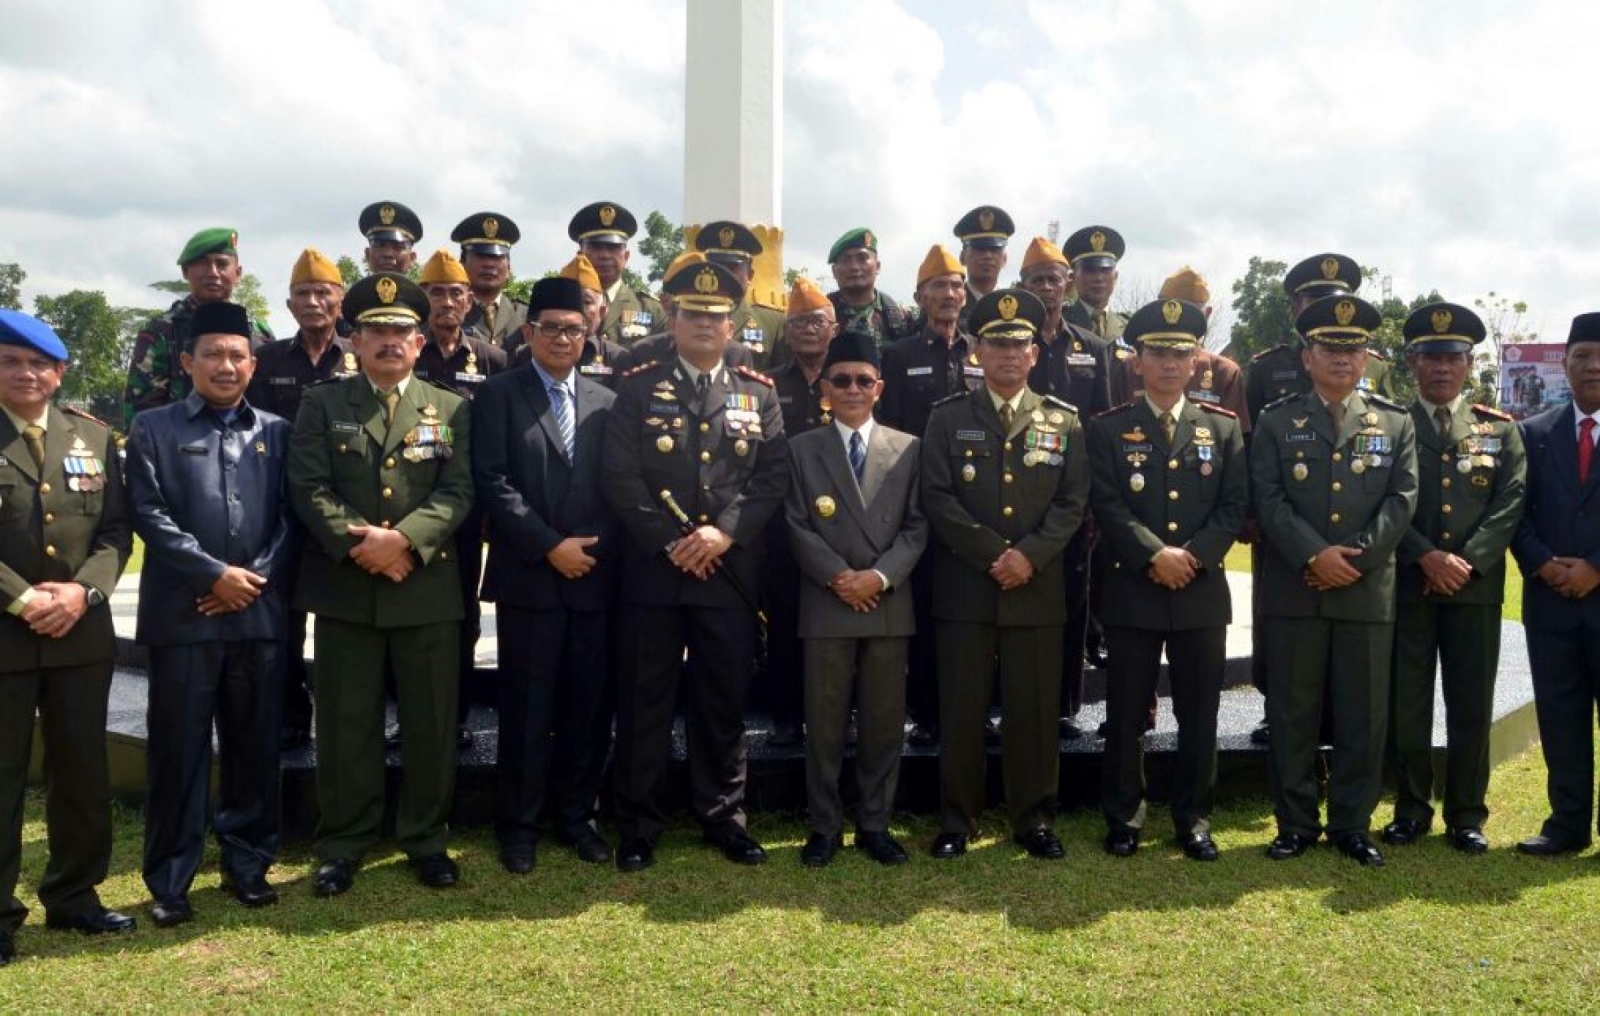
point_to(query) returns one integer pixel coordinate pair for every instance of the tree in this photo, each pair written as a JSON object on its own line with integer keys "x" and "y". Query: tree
{"x": 349, "y": 270}
{"x": 1261, "y": 310}
{"x": 663, "y": 242}
{"x": 92, "y": 330}
{"x": 11, "y": 277}
{"x": 247, "y": 294}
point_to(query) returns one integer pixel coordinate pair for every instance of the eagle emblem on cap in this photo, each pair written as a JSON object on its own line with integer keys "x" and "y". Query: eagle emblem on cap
{"x": 1330, "y": 268}
{"x": 388, "y": 289}
{"x": 725, "y": 236}
{"x": 1344, "y": 311}
{"x": 1172, "y": 310}
{"x": 706, "y": 281}
{"x": 1097, "y": 241}
{"x": 986, "y": 219}
{"x": 1007, "y": 307}
{"x": 1442, "y": 320}
{"x": 386, "y": 215}
{"x": 608, "y": 215}
{"x": 491, "y": 227}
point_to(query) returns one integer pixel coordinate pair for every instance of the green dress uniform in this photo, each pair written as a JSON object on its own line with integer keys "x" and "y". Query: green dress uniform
{"x": 348, "y": 466}
{"x": 1472, "y": 470}
{"x": 1317, "y": 484}
{"x": 631, "y": 315}
{"x": 64, "y": 522}
{"x": 1278, "y": 372}
{"x": 760, "y": 330}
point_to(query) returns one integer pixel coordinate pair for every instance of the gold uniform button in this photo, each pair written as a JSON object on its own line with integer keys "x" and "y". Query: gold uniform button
{"x": 444, "y": 555}
{"x": 1444, "y": 536}
{"x": 1006, "y": 511}
{"x": 388, "y": 492}
{"x": 44, "y": 488}
{"x": 1008, "y": 478}
{"x": 49, "y": 517}
{"x": 1172, "y": 463}
{"x": 1445, "y": 508}
{"x": 704, "y": 427}
{"x": 704, "y": 519}
{"x": 1337, "y": 456}
{"x": 1172, "y": 495}
{"x": 1301, "y": 455}
{"x": 1337, "y": 486}
{"x": 705, "y": 456}
{"x": 388, "y": 463}
{"x": 969, "y": 453}
{"x": 1334, "y": 518}
{"x": 387, "y": 524}
{"x": 1445, "y": 483}
{"x": 1008, "y": 446}
{"x": 50, "y": 550}
{"x": 1172, "y": 527}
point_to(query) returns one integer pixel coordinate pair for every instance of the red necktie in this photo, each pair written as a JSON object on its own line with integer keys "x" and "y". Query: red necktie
{"x": 1585, "y": 447}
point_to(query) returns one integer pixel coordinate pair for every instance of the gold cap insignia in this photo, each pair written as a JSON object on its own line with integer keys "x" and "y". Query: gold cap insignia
{"x": 1097, "y": 241}
{"x": 1442, "y": 320}
{"x": 1172, "y": 310}
{"x": 608, "y": 215}
{"x": 826, "y": 507}
{"x": 1008, "y": 308}
{"x": 1330, "y": 268}
{"x": 491, "y": 228}
{"x": 233, "y": 239}
{"x": 986, "y": 220}
{"x": 349, "y": 361}
{"x": 386, "y": 215}
{"x": 388, "y": 289}
{"x": 725, "y": 236}
{"x": 1344, "y": 312}
{"x": 706, "y": 281}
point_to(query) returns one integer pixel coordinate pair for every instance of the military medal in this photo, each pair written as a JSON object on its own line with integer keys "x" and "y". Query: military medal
{"x": 261, "y": 448}
{"x": 1038, "y": 416}
{"x": 472, "y": 363}
{"x": 1358, "y": 466}
{"x": 1300, "y": 471}
{"x": 825, "y": 506}
{"x": 1136, "y": 482}
{"x": 350, "y": 363}
{"x": 664, "y": 443}
{"x": 1374, "y": 460}
{"x": 1205, "y": 469}
{"x": 969, "y": 472}
{"x": 1030, "y": 458}
{"x": 741, "y": 447}
{"x": 1058, "y": 418}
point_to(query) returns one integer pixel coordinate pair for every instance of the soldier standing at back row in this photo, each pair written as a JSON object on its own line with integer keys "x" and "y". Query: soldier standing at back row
{"x": 486, "y": 239}
{"x": 984, "y": 233}
{"x": 758, "y": 328}
{"x": 392, "y": 231}
{"x": 858, "y": 303}
{"x": 602, "y": 231}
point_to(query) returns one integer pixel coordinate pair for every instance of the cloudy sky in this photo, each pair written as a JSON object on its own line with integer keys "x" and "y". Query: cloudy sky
{"x": 1454, "y": 145}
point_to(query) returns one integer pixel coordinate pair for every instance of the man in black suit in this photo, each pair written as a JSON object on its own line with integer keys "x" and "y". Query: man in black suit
{"x": 536, "y": 466}
{"x": 1557, "y": 546}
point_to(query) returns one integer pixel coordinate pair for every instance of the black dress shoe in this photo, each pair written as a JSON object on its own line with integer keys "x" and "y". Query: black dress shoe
{"x": 1096, "y": 656}
{"x": 589, "y": 845}
{"x": 518, "y": 860}
{"x": 948, "y": 846}
{"x": 881, "y": 847}
{"x": 8, "y": 948}
{"x": 1041, "y": 843}
{"x": 171, "y": 913}
{"x": 819, "y": 849}
{"x": 1403, "y": 832}
{"x": 292, "y": 738}
{"x": 334, "y": 877}
{"x": 96, "y": 921}
{"x": 436, "y": 871}
{"x": 991, "y": 732}
{"x": 391, "y": 738}
{"x": 1262, "y": 734}
{"x": 1122, "y": 842}
{"x": 924, "y": 735}
{"x": 736, "y": 845}
{"x": 1070, "y": 731}
{"x": 1102, "y": 730}
{"x": 463, "y": 739}
{"x": 786, "y": 735}
{"x": 1198, "y": 847}
{"x": 1289, "y": 845}
{"x": 252, "y": 891}
{"x": 1467, "y": 839}
{"x": 635, "y": 855}
{"x": 1359, "y": 847}
{"x": 1548, "y": 846}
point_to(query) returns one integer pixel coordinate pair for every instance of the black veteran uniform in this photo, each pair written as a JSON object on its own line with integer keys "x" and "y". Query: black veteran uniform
{"x": 353, "y": 463}
{"x": 712, "y": 443}
{"x": 1166, "y": 478}
{"x": 1000, "y": 475}
{"x": 1340, "y": 474}
{"x": 1472, "y": 472}
{"x": 63, "y": 519}
{"x": 631, "y": 314}
{"x": 1099, "y": 247}
{"x": 493, "y": 235}
{"x": 757, "y": 328}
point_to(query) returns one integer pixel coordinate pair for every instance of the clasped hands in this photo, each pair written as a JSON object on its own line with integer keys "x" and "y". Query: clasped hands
{"x": 1173, "y": 567}
{"x": 697, "y": 553}
{"x": 385, "y": 552}
{"x": 1572, "y": 577}
{"x": 860, "y": 590}
{"x": 54, "y": 608}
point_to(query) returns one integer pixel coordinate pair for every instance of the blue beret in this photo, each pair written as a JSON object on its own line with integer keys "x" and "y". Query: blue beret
{"x": 19, "y": 329}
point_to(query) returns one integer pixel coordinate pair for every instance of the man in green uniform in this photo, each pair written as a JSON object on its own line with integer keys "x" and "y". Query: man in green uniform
{"x": 1472, "y": 471}
{"x": 858, "y": 302}
{"x": 1005, "y": 485}
{"x": 392, "y": 231}
{"x": 379, "y": 475}
{"x": 64, "y": 537}
{"x": 1334, "y": 477}
{"x": 984, "y": 233}
{"x": 486, "y": 239}
{"x": 210, "y": 263}
{"x": 759, "y": 329}
{"x": 1095, "y": 253}
{"x": 602, "y": 231}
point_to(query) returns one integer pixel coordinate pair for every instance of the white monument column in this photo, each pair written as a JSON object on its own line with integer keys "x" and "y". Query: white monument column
{"x": 733, "y": 152}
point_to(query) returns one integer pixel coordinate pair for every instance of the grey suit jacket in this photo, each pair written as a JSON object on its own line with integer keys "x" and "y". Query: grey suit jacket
{"x": 835, "y": 524}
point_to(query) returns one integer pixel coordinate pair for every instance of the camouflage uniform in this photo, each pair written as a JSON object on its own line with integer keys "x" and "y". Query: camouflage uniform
{"x": 155, "y": 375}
{"x": 883, "y": 319}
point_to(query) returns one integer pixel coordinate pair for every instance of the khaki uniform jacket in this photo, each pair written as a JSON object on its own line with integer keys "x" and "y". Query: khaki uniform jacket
{"x": 632, "y": 316}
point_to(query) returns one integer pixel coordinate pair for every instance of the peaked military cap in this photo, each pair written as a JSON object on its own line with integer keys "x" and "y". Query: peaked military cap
{"x": 726, "y": 241}
{"x": 390, "y": 220}
{"x": 1007, "y": 314}
{"x": 1166, "y": 324}
{"x": 851, "y": 346}
{"x": 985, "y": 226}
{"x": 861, "y": 237}
{"x": 218, "y": 240}
{"x": 219, "y": 318}
{"x": 1585, "y": 328}
{"x": 385, "y": 298}
{"x": 704, "y": 286}
{"x": 605, "y": 221}
{"x": 1323, "y": 274}
{"x": 486, "y": 233}
{"x": 1339, "y": 320}
{"x": 1095, "y": 247}
{"x": 1444, "y": 328}
{"x": 27, "y": 331}
{"x": 555, "y": 292}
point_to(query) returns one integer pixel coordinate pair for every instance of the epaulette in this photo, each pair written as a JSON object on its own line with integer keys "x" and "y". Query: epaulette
{"x": 1218, "y": 410}
{"x": 950, "y": 398}
{"x": 1268, "y": 351}
{"x": 1278, "y": 402}
{"x": 1059, "y": 403}
{"x": 1377, "y": 355}
{"x": 1385, "y": 403}
{"x": 1492, "y": 413}
{"x": 631, "y": 371}
{"x": 441, "y": 386}
{"x": 755, "y": 375}
{"x": 1117, "y": 409}
{"x": 75, "y": 411}
{"x": 319, "y": 382}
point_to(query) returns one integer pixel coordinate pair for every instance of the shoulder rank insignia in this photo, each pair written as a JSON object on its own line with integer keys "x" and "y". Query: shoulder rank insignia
{"x": 756, "y": 375}
{"x": 1267, "y": 352}
{"x": 631, "y": 371}
{"x": 74, "y": 411}
{"x": 1117, "y": 409}
{"x": 1491, "y": 412}
{"x": 950, "y": 398}
{"x": 1385, "y": 403}
{"x": 1054, "y": 402}
{"x": 1206, "y": 407}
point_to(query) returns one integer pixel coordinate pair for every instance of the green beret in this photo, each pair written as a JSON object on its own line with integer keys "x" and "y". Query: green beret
{"x": 220, "y": 240}
{"x": 862, "y": 237}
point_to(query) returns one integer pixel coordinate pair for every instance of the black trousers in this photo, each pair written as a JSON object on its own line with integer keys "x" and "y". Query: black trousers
{"x": 922, "y": 661}
{"x": 1077, "y": 558}
{"x": 1566, "y": 686}
{"x": 71, "y": 706}
{"x": 238, "y": 687}
{"x": 652, "y": 641}
{"x": 469, "y": 552}
{"x": 296, "y": 676}
{"x": 555, "y": 719}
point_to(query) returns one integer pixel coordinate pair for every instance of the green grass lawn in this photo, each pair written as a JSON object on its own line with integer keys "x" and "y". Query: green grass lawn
{"x": 995, "y": 930}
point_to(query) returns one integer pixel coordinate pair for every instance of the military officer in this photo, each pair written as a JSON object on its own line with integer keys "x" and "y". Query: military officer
{"x": 64, "y": 539}
{"x": 210, "y": 264}
{"x": 694, "y": 465}
{"x": 602, "y": 231}
{"x": 1217, "y": 379}
{"x": 758, "y": 328}
{"x": 284, "y": 369}
{"x": 660, "y": 347}
{"x": 984, "y": 233}
{"x": 392, "y": 231}
{"x": 1005, "y": 484}
{"x": 600, "y": 358}
{"x": 1334, "y": 478}
{"x": 1171, "y": 486}
{"x": 379, "y": 474}
{"x": 1095, "y": 253}
{"x": 858, "y": 303}
{"x": 1472, "y": 471}
{"x": 486, "y": 239}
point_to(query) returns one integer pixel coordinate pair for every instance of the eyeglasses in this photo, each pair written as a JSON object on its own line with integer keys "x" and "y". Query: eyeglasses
{"x": 843, "y": 381}
{"x": 571, "y": 333}
{"x": 810, "y": 322}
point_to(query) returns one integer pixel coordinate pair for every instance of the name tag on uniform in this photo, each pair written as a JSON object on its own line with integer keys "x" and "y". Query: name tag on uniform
{"x": 594, "y": 368}
{"x": 1080, "y": 360}
{"x": 971, "y": 435}
{"x": 346, "y": 427}
{"x": 1285, "y": 375}
{"x": 918, "y": 371}
{"x": 282, "y": 381}
{"x": 972, "y": 370}
{"x": 191, "y": 449}
{"x": 469, "y": 379}
{"x": 1300, "y": 435}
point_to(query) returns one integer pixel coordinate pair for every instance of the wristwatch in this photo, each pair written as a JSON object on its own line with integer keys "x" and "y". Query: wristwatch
{"x": 92, "y": 596}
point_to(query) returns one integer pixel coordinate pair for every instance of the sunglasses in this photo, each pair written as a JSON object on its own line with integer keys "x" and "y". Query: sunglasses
{"x": 843, "y": 381}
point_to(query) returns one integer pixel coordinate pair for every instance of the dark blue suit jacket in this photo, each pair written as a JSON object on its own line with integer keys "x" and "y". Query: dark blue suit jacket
{"x": 1561, "y": 518}
{"x": 534, "y": 497}
{"x": 203, "y": 497}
